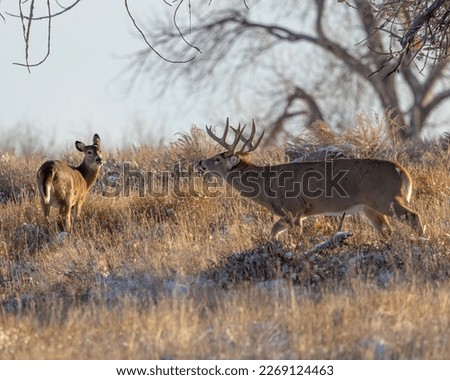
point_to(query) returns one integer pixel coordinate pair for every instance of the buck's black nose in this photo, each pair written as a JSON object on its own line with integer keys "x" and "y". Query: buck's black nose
{"x": 200, "y": 166}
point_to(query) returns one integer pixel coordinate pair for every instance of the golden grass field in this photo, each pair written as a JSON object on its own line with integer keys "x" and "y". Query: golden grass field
{"x": 195, "y": 277}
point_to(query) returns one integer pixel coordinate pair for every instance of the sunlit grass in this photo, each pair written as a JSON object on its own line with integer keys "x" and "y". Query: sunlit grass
{"x": 197, "y": 278}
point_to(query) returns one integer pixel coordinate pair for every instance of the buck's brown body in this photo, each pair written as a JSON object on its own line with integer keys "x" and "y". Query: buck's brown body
{"x": 66, "y": 187}
{"x": 378, "y": 188}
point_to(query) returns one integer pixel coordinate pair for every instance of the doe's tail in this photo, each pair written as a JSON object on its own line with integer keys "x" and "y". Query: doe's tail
{"x": 44, "y": 180}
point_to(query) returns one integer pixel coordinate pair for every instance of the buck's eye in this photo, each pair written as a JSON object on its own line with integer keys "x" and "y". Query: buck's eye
{"x": 217, "y": 159}
{"x": 89, "y": 152}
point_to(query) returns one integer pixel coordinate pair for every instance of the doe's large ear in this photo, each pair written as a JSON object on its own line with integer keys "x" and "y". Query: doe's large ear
{"x": 232, "y": 162}
{"x": 80, "y": 146}
{"x": 96, "y": 140}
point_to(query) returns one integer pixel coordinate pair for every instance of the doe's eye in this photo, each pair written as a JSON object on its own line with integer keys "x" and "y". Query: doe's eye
{"x": 217, "y": 159}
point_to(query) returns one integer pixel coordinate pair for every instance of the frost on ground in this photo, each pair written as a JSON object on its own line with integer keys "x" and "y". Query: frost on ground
{"x": 269, "y": 266}
{"x": 313, "y": 269}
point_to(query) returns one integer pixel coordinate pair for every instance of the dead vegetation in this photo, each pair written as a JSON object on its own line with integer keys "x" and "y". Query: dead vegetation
{"x": 195, "y": 277}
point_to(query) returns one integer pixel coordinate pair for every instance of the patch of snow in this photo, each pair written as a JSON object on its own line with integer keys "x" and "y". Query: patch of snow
{"x": 62, "y": 236}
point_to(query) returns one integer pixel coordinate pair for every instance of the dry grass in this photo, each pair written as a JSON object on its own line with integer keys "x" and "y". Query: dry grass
{"x": 195, "y": 277}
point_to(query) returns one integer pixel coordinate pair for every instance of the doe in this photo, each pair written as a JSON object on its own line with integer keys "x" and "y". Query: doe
{"x": 65, "y": 187}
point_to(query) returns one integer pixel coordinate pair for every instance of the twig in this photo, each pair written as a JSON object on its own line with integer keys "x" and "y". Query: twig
{"x": 148, "y": 43}
{"x": 26, "y": 30}
{"x": 178, "y": 29}
{"x": 341, "y": 224}
{"x": 47, "y": 16}
{"x": 49, "y": 29}
{"x": 337, "y": 240}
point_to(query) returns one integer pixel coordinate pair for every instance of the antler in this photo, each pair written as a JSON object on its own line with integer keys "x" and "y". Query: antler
{"x": 223, "y": 141}
{"x": 248, "y": 145}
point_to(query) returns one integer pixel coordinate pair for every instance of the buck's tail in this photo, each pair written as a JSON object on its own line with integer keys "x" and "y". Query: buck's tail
{"x": 406, "y": 183}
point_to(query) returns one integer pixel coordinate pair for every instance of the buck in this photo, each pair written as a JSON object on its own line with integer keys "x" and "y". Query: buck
{"x": 294, "y": 191}
{"x": 65, "y": 186}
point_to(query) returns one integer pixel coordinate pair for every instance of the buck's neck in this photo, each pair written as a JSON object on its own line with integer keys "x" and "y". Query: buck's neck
{"x": 90, "y": 175}
{"x": 247, "y": 167}
{"x": 249, "y": 180}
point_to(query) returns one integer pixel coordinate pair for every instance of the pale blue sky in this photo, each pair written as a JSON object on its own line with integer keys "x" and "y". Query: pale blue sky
{"x": 78, "y": 90}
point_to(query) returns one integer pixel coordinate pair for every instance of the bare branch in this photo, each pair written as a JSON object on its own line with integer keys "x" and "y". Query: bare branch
{"x": 49, "y": 29}
{"x": 435, "y": 101}
{"x": 418, "y": 31}
{"x": 26, "y": 28}
{"x": 46, "y": 16}
{"x": 298, "y": 93}
{"x": 177, "y": 27}
{"x": 148, "y": 43}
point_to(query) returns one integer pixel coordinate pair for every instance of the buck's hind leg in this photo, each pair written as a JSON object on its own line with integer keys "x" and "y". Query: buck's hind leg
{"x": 378, "y": 221}
{"x": 404, "y": 213}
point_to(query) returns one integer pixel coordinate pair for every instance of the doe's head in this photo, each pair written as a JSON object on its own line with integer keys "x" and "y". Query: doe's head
{"x": 92, "y": 153}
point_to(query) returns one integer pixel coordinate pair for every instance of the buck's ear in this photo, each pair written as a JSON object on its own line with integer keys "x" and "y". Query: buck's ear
{"x": 96, "y": 140}
{"x": 233, "y": 161}
{"x": 80, "y": 146}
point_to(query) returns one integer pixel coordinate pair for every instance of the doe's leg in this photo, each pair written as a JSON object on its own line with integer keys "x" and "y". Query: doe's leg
{"x": 45, "y": 209}
{"x": 64, "y": 217}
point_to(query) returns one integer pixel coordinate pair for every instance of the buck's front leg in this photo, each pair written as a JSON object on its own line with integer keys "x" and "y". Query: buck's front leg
{"x": 279, "y": 227}
{"x": 288, "y": 220}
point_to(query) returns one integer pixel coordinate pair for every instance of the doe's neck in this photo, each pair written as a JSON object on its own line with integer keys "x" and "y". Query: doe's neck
{"x": 90, "y": 175}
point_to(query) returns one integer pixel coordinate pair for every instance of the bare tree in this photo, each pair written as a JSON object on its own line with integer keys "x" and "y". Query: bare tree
{"x": 235, "y": 42}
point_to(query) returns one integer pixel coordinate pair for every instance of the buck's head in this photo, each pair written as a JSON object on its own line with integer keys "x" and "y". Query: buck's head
{"x": 221, "y": 164}
{"x": 92, "y": 153}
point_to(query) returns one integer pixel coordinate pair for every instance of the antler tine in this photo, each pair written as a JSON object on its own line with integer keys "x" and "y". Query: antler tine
{"x": 223, "y": 141}
{"x": 239, "y": 132}
{"x": 237, "y": 136}
{"x": 249, "y": 142}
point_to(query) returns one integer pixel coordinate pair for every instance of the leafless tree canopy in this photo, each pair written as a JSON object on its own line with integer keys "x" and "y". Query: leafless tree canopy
{"x": 219, "y": 43}
{"x": 236, "y": 42}
{"x": 419, "y": 30}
